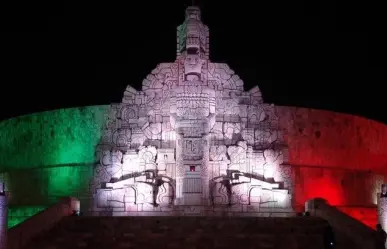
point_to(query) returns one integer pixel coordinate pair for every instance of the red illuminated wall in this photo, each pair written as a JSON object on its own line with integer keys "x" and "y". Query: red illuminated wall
{"x": 366, "y": 215}
{"x": 339, "y": 157}
{"x": 329, "y": 139}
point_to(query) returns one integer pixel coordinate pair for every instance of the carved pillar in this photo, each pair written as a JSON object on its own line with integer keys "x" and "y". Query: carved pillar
{"x": 382, "y": 212}
{"x": 205, "y": 170}
{"x": 179, "y": 169}
{"x": 3, "y": 220}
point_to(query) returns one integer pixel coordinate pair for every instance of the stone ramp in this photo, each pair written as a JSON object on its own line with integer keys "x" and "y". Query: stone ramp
{"x": 183, "y": 232}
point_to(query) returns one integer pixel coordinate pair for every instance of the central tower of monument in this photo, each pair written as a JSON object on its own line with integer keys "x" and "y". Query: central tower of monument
{"x": 192, "y": 111}
{"x": 192, "y": 141}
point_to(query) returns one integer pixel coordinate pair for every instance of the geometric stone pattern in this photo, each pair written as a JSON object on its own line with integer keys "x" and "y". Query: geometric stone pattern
{"x": 184, "y": 232}
{"x": 191, "y": 137}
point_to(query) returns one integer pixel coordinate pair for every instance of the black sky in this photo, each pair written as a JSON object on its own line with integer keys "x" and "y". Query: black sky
{"x": 311, "y": 54}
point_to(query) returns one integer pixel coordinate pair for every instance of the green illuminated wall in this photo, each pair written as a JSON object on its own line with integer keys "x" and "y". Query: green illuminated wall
{"x": 17, "y": 215}
{"x": 48, "y": 155}
{"x": 52, "y": 138}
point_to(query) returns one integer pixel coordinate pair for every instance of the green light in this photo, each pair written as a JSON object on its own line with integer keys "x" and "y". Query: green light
{"x": 59, "y": 137}
{"x": 17, "y": 215}
{"x": 48, "y": 155}
{"x": 67, "y": 181}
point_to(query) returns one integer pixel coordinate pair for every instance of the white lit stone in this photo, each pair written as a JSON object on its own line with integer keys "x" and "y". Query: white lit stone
{"x": 191, "y": 137}
{"x": 3, "y": 220}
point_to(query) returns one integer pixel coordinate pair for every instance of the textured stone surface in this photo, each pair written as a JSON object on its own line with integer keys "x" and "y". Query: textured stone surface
{"x": 53, "y": 138}
{"x": 338, "y": 186}
{"x": 184, "y": 232}
{"x": 337, "y": 140}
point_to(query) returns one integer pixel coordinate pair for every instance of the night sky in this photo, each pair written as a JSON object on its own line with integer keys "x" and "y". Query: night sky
{"x": 309, "y": 54}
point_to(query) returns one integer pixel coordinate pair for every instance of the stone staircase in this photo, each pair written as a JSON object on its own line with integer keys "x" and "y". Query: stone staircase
{"x": 184, "y": 232}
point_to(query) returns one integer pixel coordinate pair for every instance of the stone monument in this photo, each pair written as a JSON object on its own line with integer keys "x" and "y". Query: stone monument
{"x": 192, "y": 141}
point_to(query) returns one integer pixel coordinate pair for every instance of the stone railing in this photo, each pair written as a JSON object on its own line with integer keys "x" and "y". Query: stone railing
{"x": 363, "y": 236}
{"x": 22, "y": 233}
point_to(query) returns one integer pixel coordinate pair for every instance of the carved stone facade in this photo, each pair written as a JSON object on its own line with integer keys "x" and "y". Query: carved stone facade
{"x": 192, "y": 141}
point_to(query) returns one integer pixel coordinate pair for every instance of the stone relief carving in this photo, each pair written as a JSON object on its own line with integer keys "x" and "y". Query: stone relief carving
{"x": 218, "y": 153}
{"x": 272, "y": 160}
{"x": 191, "y": 136}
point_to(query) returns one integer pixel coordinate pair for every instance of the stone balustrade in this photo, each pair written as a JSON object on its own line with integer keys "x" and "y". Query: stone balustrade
{"x": 21, "y": 234}
{"x": 364, "y": 237}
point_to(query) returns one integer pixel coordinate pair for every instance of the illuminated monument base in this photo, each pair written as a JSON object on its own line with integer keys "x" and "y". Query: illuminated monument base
{"x": 192, "y": 142}
{"x": 139, "y": 196}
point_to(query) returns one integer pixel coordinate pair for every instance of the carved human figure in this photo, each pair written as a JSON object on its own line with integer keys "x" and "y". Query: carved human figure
{"x": 192, "y": 67}
{"x": 273, "y": 158}
{"x": 226, "y": 183}
{"x": 158, "y": 182}
{"x": 218, "y": 153}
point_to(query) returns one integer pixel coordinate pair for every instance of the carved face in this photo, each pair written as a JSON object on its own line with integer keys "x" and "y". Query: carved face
{"x": 192, "y": 67}
{"x": 192, "y": 12}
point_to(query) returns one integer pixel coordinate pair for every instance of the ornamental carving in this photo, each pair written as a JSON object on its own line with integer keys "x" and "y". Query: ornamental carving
{"x": 191, "y": 140}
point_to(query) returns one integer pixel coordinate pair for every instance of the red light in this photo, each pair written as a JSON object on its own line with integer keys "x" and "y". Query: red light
{"x": 192, "y": 168}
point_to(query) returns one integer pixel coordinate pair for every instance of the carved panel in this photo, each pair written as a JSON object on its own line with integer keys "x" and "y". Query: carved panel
{"x": 218, "y": 153}
{"x": 192, "y": 148}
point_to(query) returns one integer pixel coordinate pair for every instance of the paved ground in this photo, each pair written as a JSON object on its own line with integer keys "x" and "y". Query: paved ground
{"x": 183, "y": 232}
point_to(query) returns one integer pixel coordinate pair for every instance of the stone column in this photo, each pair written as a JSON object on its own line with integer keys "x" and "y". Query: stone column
{"x": 180, "y": 172}
{"x": 205, "y": 170}
{"x": 3, "y": 220}
{"x": 382, "y": 212}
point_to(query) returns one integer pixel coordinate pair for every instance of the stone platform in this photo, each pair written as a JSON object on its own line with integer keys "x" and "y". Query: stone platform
{"x": 184, "y": 232}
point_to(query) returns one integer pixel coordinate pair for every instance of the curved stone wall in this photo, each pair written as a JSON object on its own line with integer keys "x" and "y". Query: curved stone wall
{"x": 47, "y": 155}
{"x": 335, "y": 156}
{"x": 52, "y": 138}
{"x": 329, "y": 139}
